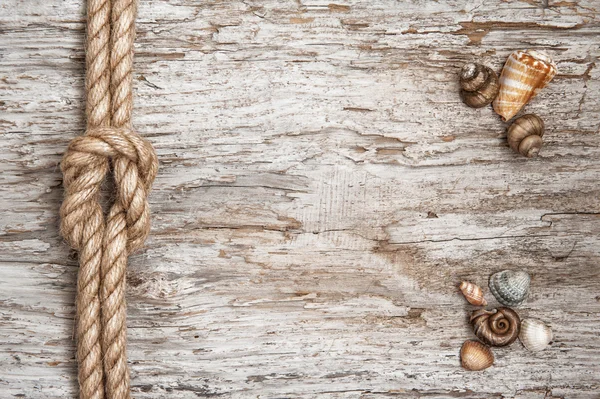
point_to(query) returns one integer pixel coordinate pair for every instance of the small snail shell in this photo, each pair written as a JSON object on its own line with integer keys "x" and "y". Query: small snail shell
{"x": 498, "y": 327}
{"x": 535, "y": 335}
{"x": 479, "y": 85}
{"x": 475, "y": 356}
{"x": 473, "y": 293}
{"x": 525, "y": 135}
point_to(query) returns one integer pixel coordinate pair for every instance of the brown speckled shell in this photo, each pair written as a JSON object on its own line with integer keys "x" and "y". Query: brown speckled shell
{"x": 473, "y": 293}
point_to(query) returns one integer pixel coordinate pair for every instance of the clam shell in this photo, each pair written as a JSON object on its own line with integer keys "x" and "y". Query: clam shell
{"x": 498, "y": 327}
{"x": 535, "y": 335}
{"x": 524, "y": 74}
{"x": 475, "y": 356}
{"x": 473, "y": 293}
{"x": 510, "y": 287}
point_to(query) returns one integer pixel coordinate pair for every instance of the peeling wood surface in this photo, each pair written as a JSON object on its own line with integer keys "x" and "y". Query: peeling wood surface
{"x": 322, "y": 192}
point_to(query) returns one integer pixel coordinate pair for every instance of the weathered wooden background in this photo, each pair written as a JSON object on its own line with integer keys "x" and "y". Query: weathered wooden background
{"x": 322, "y": 191}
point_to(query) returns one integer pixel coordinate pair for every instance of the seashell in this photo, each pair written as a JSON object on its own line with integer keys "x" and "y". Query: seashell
{"x": 473, "y": 293}
{"x": 510, "y": 287}
{"x": 475, "y": 356}
{"x": 525, "y": 135}
{"x": 479, "y": 85}
{"x": 524, "y": 74}
{"x": 535, "y": 335}
{"x": 498, "y": 327}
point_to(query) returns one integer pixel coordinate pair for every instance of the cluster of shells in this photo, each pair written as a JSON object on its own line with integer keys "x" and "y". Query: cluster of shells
{"x": 501, "y": 326}
{"x": 524, "y": 74}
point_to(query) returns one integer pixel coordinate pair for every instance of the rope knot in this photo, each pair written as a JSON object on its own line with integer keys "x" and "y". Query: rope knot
{"x": 85, "y": 165}
{"x": 104, "y": 241}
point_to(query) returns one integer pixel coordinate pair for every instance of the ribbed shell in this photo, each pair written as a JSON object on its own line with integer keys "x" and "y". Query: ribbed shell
{"x": 535, "y": 335}
{"x": 510, "y": 287}
{"x": 475, "y": 356}
{"x": 524, "y": 74}
{"x": 473, "y": 293}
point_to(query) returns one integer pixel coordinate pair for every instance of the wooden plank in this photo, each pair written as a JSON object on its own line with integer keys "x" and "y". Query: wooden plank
{"x": 322, "y": 191}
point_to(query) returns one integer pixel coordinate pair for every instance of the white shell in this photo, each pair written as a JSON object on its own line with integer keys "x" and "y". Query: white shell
{"x": 535, "y": 335}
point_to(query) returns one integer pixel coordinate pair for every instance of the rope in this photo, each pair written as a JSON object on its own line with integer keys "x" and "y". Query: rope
{"x": 104, "y": 242}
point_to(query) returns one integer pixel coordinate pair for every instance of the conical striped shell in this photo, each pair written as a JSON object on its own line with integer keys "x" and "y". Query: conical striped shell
{"x": 510, "y": 287}
{"x": 524, "y": 74}
{"x": 473, "y": 293}
{"x": 535, "y": 335}
{"x": 475, "y": 356}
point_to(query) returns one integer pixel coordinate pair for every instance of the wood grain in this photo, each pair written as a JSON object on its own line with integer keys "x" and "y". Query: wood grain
{"x": 322, "y": 192}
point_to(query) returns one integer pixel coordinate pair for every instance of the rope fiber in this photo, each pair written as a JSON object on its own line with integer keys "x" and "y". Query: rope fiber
{"x": 105, "y": 241}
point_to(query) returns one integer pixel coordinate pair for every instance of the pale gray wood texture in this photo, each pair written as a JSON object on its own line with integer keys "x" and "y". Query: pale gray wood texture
{"x": 322, "y": 192}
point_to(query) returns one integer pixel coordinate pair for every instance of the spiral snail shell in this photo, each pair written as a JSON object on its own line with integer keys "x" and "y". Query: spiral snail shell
{"x": 479, "y": 85}
{"x": 498, "y": 327}
{"x": 473, "y": 293}
{"x": 535, "y": 335}
{"x": 475, "y": 356}
{"x": 525, "y": 135}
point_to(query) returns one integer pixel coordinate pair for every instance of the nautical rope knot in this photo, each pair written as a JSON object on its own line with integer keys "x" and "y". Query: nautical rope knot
{"x": 105, "y": 241}
{"x": 84, "y": 167}
{"x": 104, "y": 245}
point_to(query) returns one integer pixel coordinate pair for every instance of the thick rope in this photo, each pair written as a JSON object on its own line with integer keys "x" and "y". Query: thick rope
{"x": 105, "y": 243}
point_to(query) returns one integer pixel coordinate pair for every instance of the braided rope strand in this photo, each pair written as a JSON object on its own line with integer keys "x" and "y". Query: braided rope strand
{"x": 82, "y": 222}
{"x": 82, "y": 225}
{"x": 114, "y": 328}
{"x": 114, "y": 262}
{"x": 121, "y": 60}
{"x": 97, "y": 59}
